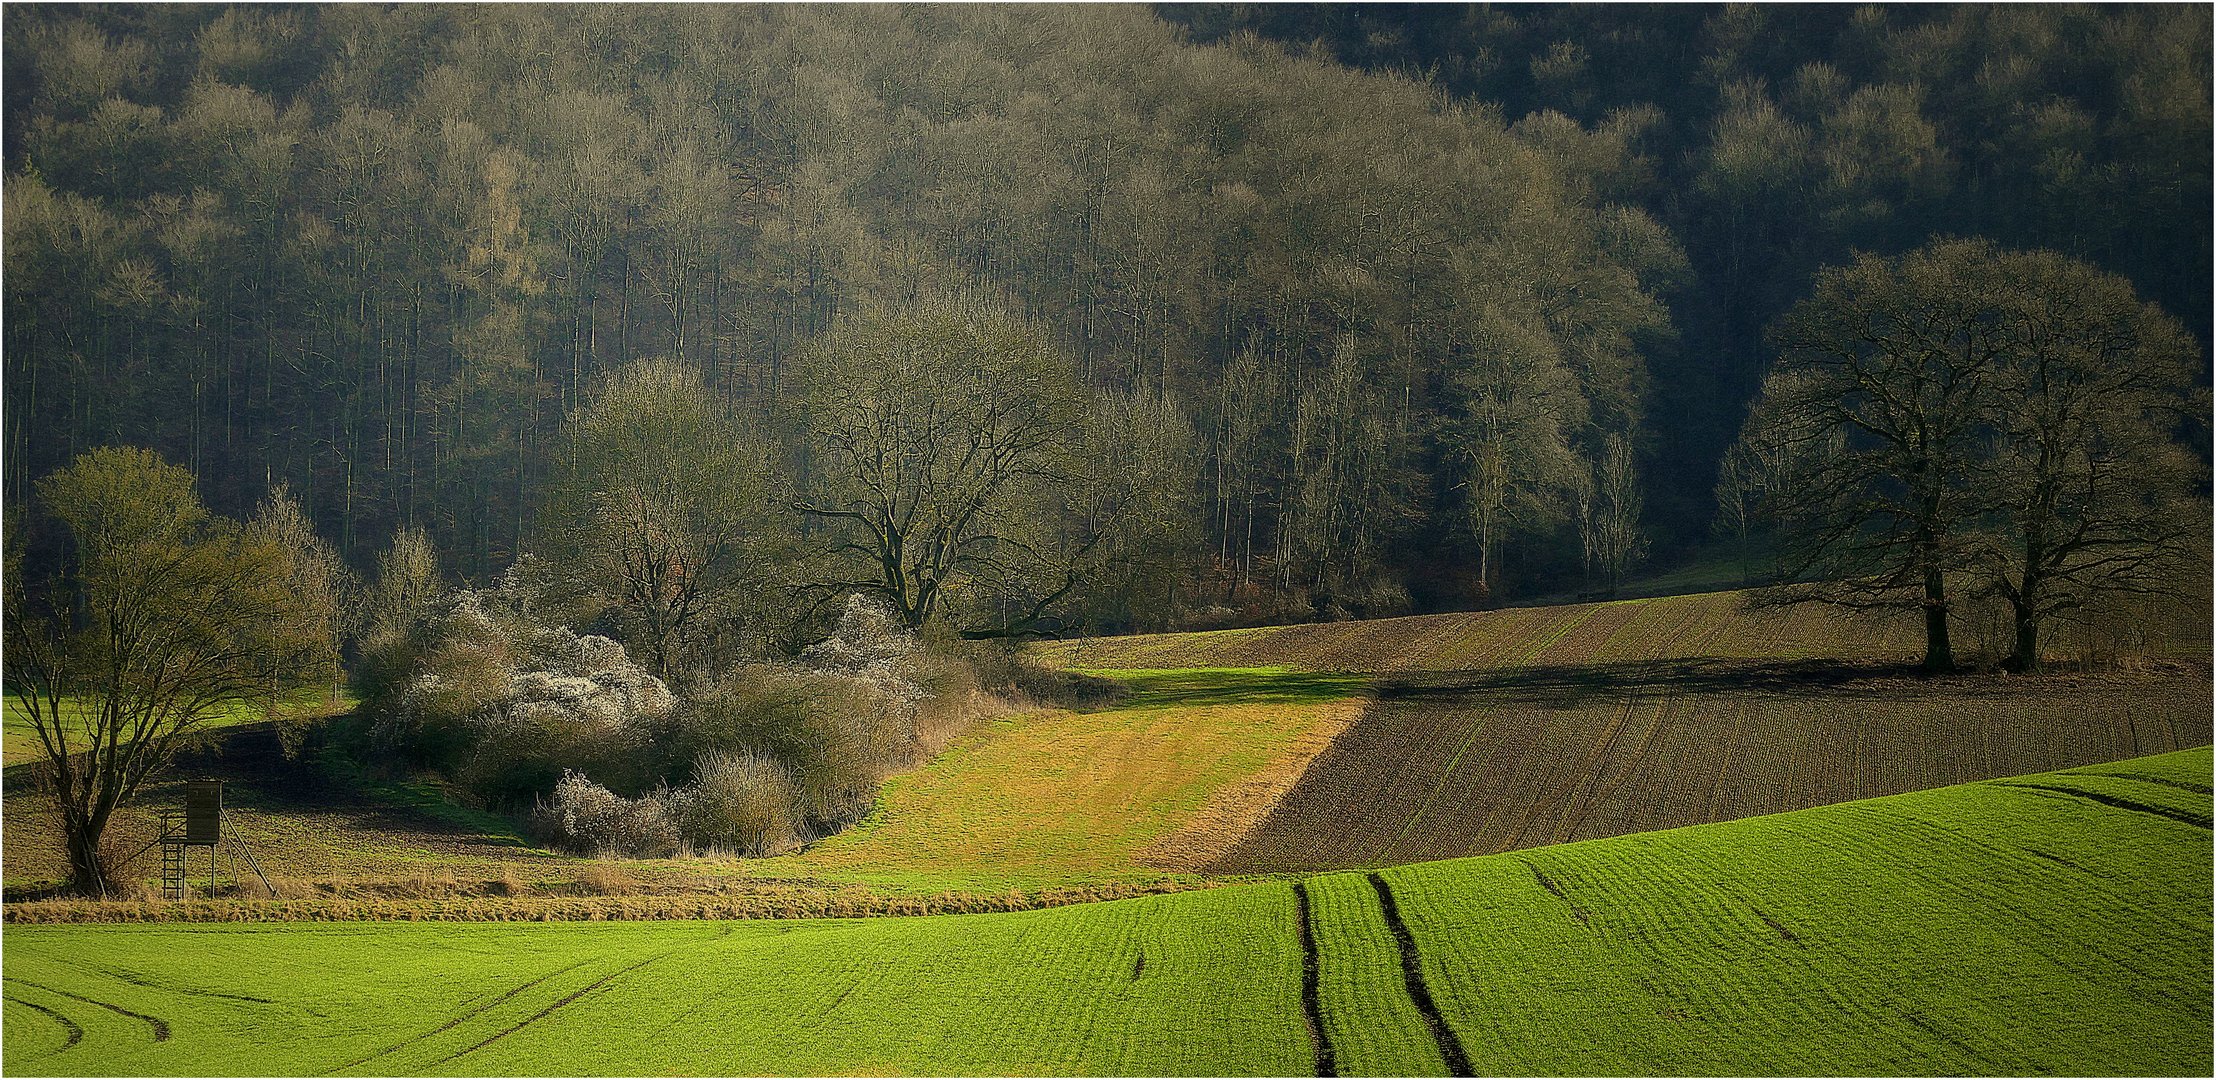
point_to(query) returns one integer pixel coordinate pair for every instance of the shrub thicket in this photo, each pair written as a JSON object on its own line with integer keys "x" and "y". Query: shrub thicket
{"x": 743, "y": 803}
{"x": 506, "y": 705}
{"x": 754, "y": 760}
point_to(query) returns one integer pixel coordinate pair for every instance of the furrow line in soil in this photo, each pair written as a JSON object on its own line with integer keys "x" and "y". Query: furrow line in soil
{"x": 453, "y": 1023}
{"x": 2199, "y": 821}
{"x": 70, "y": 1030}
{"x": 1478, "y": 723}
{"x": 545, "y": 1012}
{"x": 159, "y": 1025}
{"x": 2182, "y": 785}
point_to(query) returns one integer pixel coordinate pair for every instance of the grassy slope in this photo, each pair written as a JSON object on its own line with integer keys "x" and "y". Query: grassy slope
{"x": 1556, "y": 724}
{"x": 1043, "y": 799}
{"x": 1988, "y": 928}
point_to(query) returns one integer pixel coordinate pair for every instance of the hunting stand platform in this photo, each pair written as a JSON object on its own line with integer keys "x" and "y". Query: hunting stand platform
{"x": 202, "y": 823}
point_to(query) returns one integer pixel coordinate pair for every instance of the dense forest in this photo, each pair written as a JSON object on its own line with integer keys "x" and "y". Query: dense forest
{"x": 1356, "y": 309}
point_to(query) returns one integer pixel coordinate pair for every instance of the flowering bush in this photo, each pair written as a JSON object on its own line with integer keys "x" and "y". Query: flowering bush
{"x": 508, "y": 705}
{"x": 583, "y": 816}
{"x": 771, "y": 754}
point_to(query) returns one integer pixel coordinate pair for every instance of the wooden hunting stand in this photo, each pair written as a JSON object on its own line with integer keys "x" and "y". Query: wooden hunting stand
{"x": 202, "y": 824}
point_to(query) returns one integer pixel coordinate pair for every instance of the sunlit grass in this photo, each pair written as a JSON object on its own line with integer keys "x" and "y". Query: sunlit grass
{"x": 1998, "y": 928}
{"x": 1056, "y": 796}
{"x": 19, "y": 742}
{"x": 1189, "y": 687}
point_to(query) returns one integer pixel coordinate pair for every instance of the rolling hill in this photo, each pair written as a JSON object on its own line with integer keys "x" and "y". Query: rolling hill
{"x": 2050, "y": 923}
{"x": 1465, "y": 734}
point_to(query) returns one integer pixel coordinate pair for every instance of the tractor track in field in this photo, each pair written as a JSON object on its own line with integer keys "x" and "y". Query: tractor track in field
{"x": 453, "y": 1023}
{"x": 70, "y": 1029}
{"x": 2198, "y": 821}
{"x": 549, "y": 1010}
{"x": 159, "y": 1025}
{"x": 1627, "y": 765}
{"x": 1584, "y": 917}
{"x": 2181, "y": 785}
{"x": 1952, "y": 1042}
{"x": 1311, "y": 996}
{"x": 1547, "y": 805}
{"x": 134, "y": 979}
{"x": 1411, "y": 970}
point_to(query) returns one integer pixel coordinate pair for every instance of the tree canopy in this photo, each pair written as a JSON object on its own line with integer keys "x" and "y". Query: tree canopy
{"x": 165, "y": 617}
{"x": 1963, "y": 412}
{"x": 1395, "y": 279}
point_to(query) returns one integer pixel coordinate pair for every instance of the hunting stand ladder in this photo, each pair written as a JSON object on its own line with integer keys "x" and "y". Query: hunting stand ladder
{"x": 202, "y": 823}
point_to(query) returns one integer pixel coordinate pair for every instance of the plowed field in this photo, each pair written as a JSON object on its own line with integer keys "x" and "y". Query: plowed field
{"x": 1718, "y": 625}
{"x": 1501, "y": 730}
{"x": 1487, "y": 762}
{"x": 2055, "y": 923}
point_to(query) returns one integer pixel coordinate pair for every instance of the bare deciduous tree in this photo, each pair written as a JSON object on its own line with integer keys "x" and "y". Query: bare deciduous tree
{"x": 658, "y": 510}
{"x": 165, "y": 618}
{"x": 930, "y": 432}
{"x": 1893, "y": 355}
{"x": 2088, "y": 491}
{"x": 1968, "y": 412}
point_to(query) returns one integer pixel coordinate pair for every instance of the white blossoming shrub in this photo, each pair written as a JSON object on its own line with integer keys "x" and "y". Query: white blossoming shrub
{"x": 767, "y": 756}
{"x": 870, "y": 645}
{"x": 867, "y": 636}
{"x": 584, "y": 817}
{"x": 506, "y": 706}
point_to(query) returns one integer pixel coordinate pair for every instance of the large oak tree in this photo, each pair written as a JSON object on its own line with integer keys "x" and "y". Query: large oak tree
{"x": 1965, "y": 414}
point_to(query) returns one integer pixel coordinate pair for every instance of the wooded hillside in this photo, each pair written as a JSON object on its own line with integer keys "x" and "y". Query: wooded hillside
{"x": 1389, "y": 343}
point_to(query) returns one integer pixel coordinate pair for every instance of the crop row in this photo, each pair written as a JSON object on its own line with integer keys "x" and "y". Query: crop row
{"x": 2012, "y": 928}
{"x": 1214, "y": 985}
{"x": 1707, "y": 624}
{"x": 1718, "y": 624}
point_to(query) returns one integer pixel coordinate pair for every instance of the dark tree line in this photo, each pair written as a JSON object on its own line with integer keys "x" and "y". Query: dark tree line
{"x": 1378, "y": 342}
{"x": 1776, "y": 139}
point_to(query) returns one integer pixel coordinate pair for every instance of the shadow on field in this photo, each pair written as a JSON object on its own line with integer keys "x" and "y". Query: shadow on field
{"x": 1569, "y": 684}
{"x": 1231, "y": 686}
{"x": 261, "y": 777}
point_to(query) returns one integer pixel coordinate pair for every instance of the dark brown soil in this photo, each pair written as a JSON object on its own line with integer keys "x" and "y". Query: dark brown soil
{"x": 1451, "y": 764}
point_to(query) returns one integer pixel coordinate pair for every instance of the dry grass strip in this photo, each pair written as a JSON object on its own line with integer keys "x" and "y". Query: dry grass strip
{"x": 1233, "y": 812}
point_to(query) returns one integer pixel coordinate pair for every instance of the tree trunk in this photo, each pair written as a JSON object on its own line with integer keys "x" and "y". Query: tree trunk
{"x": 88, "y": 872}
{"x": 2026, "y": 657}
{"x": 1938, "y": 651}
{"x": 2023, "y": 602}
{"x": 2024, "y": 597}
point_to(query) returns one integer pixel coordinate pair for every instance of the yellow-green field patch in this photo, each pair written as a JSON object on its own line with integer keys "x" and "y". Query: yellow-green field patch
{"x": 19, "y": 742}
{"x": 1059, "y": 795}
